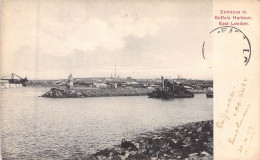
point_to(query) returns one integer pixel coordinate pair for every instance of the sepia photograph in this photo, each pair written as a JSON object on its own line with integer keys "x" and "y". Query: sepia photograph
{"x": 106, "y": 80}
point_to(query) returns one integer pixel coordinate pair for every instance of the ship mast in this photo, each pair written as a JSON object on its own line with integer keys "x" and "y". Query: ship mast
{"x": 115, "y": 69}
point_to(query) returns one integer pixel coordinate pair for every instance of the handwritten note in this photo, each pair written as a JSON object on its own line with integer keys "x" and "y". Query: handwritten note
{"x": 236, "y": 112}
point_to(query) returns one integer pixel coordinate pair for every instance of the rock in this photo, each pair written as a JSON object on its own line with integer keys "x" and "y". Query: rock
{"x": 207, "y": 127}
{"x": 132, "y": 152}
{"x": 174, "y": 141}
{"x": 174, "y": 151}
{"x": 182, "y": 142}
{"x": 179, "y": 135}
{"x": 116, "y": 157}
{"x": 141, "y": 151}
{"x": 127, "y": 144}
{"x": 180, "y": 128}
{"x": 150, "y": 151}
{"x": 205, "y": 153}
{"x": 104, "y": 152}
{"x": 137, "y": 145}
{"x": 127, "y": 154}
{"x": 193, "y": 154}
{"x": 141, "y": 156}
{"x": 186, "y": 140}
{"x": 200, "y": 129}
{"x": 122, "y": 157}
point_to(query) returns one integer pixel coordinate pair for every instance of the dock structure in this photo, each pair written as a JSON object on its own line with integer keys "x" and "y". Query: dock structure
{"x": 13, "y": 81}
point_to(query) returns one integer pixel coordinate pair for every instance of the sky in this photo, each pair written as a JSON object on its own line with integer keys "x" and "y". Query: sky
{"x": 52, "y": 38}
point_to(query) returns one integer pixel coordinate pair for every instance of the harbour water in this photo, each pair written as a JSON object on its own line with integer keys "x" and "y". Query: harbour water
{"x": 34, "y": 127}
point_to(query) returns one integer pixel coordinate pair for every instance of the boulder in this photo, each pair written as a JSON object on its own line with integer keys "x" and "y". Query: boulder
{"x": 193, "y": 154}
{"x": 186, "y": 140}
{"x": 199, "y": 130}
{"x": 127, "y": 144}
{"x": 205, "y": 153}
{"x": 179, "y": 135}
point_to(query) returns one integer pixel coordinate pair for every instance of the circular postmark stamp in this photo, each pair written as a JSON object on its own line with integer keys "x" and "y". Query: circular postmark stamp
{"x": 229, "y": 44}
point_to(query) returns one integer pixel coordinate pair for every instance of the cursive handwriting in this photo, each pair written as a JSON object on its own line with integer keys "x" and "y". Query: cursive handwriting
{"x": 238, "y": 125}
{"x": 247, "y": 141}
{"x": 230, "y": 98}
{"x": 224, "y": 116}
{"x": 236, "y": 111}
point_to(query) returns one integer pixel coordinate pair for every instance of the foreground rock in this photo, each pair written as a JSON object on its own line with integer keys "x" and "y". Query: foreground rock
{"x": 104, "y": 92}
{"x": 190, "y": 141}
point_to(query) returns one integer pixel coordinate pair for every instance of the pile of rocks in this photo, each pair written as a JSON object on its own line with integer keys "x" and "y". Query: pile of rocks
{"x": 101, "y": 92}
{"x": 59, "y": 93}
{"x": 190, "y": 141}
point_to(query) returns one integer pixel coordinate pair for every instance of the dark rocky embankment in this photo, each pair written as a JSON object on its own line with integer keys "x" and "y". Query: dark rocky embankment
{"x": 190, "y": 141}
{"x": 101, "y": 92}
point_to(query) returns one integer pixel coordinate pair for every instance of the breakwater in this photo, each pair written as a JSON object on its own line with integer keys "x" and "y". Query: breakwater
{"x": 100, "y": 92}
{"x": 192, "y": 141}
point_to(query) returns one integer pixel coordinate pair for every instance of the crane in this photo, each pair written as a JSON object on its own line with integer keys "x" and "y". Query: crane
{"x": 15, "y": 79}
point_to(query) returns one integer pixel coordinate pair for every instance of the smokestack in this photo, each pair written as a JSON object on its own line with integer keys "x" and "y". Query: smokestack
{"x": 162, "y": 82}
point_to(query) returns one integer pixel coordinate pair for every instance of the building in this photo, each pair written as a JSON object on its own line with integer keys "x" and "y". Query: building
{"x": 100, "y": 85}
{"x": 70, "y": 82}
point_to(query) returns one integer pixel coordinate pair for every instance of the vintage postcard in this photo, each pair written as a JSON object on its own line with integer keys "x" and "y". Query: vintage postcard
{"x": 118, "y": 80}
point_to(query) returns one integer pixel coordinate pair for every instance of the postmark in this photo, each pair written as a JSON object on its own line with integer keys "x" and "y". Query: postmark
{"x": 241, "y": 45}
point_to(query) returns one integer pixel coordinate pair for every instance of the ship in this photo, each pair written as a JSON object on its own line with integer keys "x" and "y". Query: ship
{"x": 170, "y": 89}
{"x": 209, "y": 93}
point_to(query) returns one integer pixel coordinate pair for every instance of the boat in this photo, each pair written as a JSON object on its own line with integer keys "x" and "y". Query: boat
{"x": 170, "y": 89}
{"x": 209, "y": 94}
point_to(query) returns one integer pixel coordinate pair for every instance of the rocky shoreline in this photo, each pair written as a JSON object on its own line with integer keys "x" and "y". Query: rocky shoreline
{"x": 190, "y": 141}
{"x": 101, "y": 92}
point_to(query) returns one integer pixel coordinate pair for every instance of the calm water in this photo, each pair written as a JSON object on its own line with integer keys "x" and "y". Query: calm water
{"x": 41, "y": 128}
